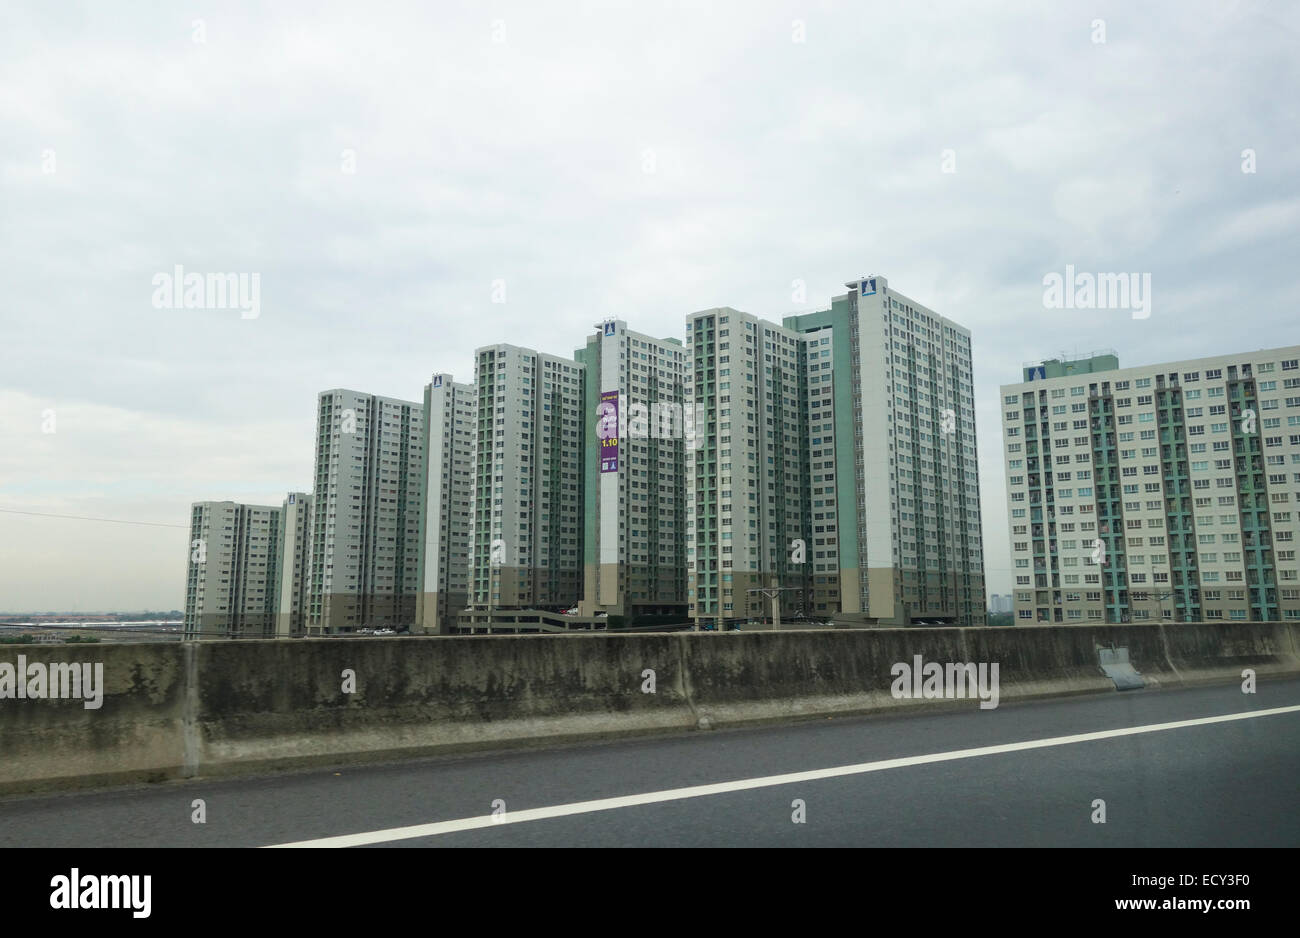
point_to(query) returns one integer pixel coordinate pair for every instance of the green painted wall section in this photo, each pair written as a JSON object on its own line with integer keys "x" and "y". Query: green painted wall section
{"x": 846, "y": 507}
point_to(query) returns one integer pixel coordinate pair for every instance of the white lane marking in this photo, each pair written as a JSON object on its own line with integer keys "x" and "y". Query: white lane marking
{"x": 699, "y": 791}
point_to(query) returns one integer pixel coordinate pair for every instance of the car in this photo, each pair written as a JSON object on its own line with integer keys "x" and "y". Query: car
{"x": 570, "y": 612}
{"x": 602, "y": 615}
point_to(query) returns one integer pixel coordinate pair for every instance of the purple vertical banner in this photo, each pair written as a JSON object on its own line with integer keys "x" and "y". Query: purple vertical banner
{"x": 607, "y": 430}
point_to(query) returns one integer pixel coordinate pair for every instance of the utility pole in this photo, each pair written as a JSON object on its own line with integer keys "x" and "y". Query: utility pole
{"x": 1158, "y": 597}
{"x": 774, "y": 593}
{"x": 1161, "y": 600}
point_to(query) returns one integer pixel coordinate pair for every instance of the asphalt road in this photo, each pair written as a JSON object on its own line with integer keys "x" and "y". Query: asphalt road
{"x": 1234, "y": 782}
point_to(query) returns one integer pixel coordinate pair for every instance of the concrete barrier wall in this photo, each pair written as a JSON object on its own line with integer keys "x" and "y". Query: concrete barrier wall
{"x": 136, "y": 734}
{"x": 268, "y": 706}
{"x": 1215, "y": 651}
{"x": 755, "y": 676}
{"x": 213, "y": 708}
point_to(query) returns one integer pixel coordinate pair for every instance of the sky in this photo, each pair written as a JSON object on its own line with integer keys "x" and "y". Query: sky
{"x": 408, "y": 182}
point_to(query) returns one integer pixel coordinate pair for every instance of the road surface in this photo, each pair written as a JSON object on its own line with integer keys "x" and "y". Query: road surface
{"x": 1228, "y": 776}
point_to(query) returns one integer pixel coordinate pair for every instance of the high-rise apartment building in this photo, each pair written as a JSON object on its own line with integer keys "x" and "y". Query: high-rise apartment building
{"x": 231, "y": 578}
{"x": 527, "y": 540}
{"x": 450, "y": 418}
{"x": 294, "y": 569}
{"x": 906, "y": 473}
{"x": 1164, "y": 491}
{"x": 634, "y": 475}
{"x": 748, "y": 474}
{"x": 367, "y": 504}
{"x": 838, "y": 465}
{"x": 830, "y": 458}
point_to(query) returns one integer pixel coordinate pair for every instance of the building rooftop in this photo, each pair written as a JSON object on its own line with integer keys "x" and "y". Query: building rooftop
{"x": 1091, "y": 363}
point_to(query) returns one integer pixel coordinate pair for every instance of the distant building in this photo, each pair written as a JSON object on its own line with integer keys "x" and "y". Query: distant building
{"x": 1163, "y": 491}
{"x": 368, "y": 499}
{"x": 831, "y": 457}
{"x": 231, "y": 578}
{"x": 447, "y": 525}
{"x": 906, "y": 481}
{"x": 748, "y": 492}
{"x": 633, "y": 474}
{"x": 528, "y": 499}
{"x": 294, "y": 574}
{"x": 838, "y": 463}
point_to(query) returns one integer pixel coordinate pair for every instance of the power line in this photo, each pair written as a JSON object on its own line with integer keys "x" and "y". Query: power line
{"x": 109, "y": 628}
{"x": 21, "y": 627}
{"x": 42, "y": 514}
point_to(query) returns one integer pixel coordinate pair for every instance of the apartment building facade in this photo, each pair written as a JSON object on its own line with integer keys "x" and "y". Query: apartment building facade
{"x": 450, "y": 418}
{"x": 528, "y": 473}
{"x": 747, "y": 480}
{"x": 230, "y": 584}
{"x": 855, "y": 427}
{"x": 1163, "y": 491}
{"x": 634, "y": 474}
{"x": 294, "y": 568}
{"x": 368, "y": 500}
{"x": 898, "y": 460}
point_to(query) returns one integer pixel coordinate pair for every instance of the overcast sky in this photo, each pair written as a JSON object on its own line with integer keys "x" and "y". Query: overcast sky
{"x": 379, "y": 166}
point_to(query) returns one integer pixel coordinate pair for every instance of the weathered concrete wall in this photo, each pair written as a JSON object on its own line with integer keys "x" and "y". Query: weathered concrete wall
{"x": 211, "y": 708}
{"x": 136, "y": 734}
{"x": 267, "y": 705}
{"x": 1218, "y": 651}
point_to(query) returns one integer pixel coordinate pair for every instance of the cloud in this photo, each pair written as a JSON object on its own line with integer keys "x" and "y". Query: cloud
{"x": 526, "y": 161}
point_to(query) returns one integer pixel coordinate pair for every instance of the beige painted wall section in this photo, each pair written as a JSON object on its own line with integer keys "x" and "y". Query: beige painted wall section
{"x": 880, "y": 582}
{"x": 850, "y": 590}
